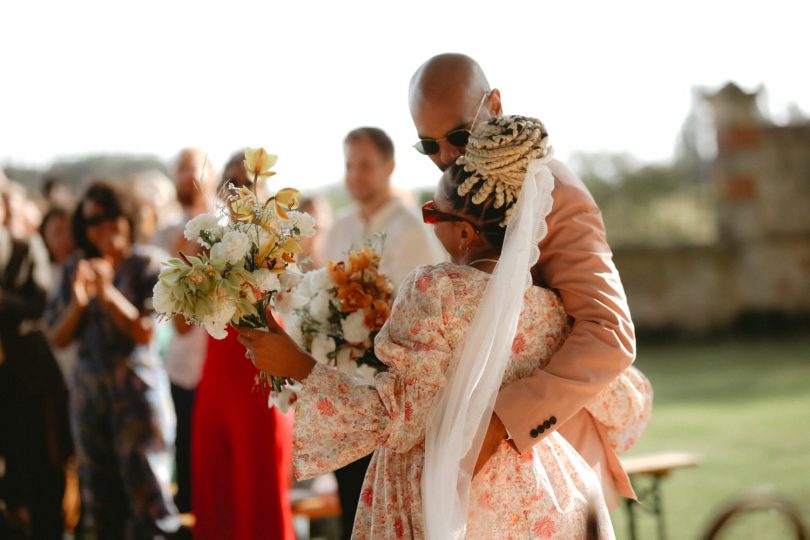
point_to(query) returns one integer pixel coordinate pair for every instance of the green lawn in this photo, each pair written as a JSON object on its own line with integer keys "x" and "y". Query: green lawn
{"x": 745, "y": 407}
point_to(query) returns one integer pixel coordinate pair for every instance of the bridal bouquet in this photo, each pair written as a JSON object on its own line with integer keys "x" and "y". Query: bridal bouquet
{"x": 334, "y": 313}
{"x": 249, "y": 248}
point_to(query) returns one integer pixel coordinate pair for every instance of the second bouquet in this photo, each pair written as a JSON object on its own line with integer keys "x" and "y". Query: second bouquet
{"x": 334, "y": 314}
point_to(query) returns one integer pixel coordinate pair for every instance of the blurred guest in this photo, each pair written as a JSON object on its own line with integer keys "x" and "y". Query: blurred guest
{"x": 369, "y": 155}
{"x": 56, "y": 192}
{"x": 242, "y": 450}
{"x": 195, "y": 181}
{"x": 35, "y": 442}
{"x": 156, "y": 202}
{"x": 313, "y": 247}
{"x": 121, "y": 413}
{"x": 25, "y": 219}
{"x": 235, "y": 172}
{"x": 55, "y": 231}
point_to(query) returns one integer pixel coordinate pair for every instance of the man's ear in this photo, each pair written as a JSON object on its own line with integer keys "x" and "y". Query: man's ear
{"x": 389, "y": 167}
{"x": 494, "y": 102}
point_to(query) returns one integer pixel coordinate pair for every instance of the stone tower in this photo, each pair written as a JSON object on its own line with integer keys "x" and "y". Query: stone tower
{"x": 738, "y": 125}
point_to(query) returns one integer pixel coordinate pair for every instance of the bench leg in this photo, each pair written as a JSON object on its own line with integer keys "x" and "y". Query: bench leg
{"x": 629, "y": 504}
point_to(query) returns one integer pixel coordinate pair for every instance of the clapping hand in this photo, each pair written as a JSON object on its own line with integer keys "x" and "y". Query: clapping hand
{"x": 274, "y": 352}
{"x": 103, "y": 273}
{"x": 83, "y": 286}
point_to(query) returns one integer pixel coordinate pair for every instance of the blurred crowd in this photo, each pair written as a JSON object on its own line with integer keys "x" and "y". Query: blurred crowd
{"x": 96, "y": 394}
{"x": 102, "y": 405}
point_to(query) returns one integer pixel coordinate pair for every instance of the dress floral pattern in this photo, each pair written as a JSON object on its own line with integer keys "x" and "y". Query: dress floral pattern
{"x": 543, "y": 493}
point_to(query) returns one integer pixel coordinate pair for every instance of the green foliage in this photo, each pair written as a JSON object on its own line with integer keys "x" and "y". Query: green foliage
{"x": 653, "y": 204}
{"x": 77, "y": 172}
{"x": 745, "y": 407}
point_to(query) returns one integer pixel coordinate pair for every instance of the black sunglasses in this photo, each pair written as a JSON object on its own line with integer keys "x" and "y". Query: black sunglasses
{"x": 95, "y": 221}
{"x": 432, "y": 215}
{"x": 457, "y": 137}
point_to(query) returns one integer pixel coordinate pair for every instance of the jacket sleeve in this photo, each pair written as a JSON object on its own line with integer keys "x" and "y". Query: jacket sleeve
{"x": 575, "y": 260}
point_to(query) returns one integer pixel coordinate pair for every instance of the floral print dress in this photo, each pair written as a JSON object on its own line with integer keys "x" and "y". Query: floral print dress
{"x": 543, "y": 493}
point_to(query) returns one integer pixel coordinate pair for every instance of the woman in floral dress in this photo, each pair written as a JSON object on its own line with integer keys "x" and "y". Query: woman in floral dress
{"x": 544, "y": 493}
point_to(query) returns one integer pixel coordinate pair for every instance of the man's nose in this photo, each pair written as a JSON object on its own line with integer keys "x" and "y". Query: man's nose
{"x": 448, "y": 153}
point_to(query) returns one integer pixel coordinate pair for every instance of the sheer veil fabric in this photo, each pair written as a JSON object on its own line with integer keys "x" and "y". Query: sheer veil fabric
{"x": 456, "y": 427}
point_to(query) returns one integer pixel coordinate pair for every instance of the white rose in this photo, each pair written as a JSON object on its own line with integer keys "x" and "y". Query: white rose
{"x": 216, "y": 323}
{"x": 162, "y": 299}
{"x": 365, "y": 374}
{"x": 321, "y": 346}
{"x": 319, "y": 306}
{"x": 287, "y": 302}
{"x": 321, "y": 279}
{"x": 266, "y": 280}
{"x": 290, "y": 279}
{"x": 286, "y": 398}
{"x": 232, "y": 248}
{"x": 354, "y": 327}
{"x": 303, "y": 222}
{"x": 293, "y": 329}
{"x": 203, "y": 222}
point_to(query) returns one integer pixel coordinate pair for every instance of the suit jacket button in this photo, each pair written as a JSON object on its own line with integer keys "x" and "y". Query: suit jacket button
{"x": 553, "y": 420}
{"x": 540, "y": 428}
{"x": 533, "y": 433}
{"x": 547, "y": 424}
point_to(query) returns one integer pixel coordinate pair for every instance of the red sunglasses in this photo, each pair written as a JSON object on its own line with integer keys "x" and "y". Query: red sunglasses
{"x": 432, "y": 215}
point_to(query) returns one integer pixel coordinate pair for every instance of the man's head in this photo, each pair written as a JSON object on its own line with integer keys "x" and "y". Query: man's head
{"x": 369, "y": 156}
{"x": 194, "y": 178}
{"x": 444, "y": 96}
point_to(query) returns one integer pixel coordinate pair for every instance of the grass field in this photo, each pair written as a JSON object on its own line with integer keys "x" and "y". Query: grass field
{"x": 743, "y": 405}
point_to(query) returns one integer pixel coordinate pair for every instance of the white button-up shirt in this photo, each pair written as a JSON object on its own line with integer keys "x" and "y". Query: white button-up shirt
{"x": 408, "y": 242}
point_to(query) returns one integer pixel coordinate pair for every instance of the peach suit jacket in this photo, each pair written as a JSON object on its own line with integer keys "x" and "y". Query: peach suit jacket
{"x": 576, "y": 261}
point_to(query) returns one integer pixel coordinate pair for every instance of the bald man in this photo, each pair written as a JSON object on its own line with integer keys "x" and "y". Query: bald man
{"x": 446, "y": 94}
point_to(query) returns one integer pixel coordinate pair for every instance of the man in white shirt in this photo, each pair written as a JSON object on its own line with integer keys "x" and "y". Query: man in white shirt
{"x": 369, "y": 156}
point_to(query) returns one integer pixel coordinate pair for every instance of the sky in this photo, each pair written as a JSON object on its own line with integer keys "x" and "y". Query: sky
{"x": 151, "y": 77}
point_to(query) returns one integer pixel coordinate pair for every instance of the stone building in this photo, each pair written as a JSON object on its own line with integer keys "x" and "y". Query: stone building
{"x": 760, "y": 264}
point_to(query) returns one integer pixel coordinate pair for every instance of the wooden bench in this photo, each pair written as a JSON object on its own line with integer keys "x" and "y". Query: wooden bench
{"x": 316, "y": 506}
{"x": 655, "y": 467}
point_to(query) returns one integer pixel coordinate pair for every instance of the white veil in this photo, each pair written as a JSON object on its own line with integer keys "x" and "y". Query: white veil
{"x": 456, "y": 427}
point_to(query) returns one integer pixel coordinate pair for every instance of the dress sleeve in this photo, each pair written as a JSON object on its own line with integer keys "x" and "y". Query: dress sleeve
{"x": 338, "y": 421}
{"x": 624, "y": 408}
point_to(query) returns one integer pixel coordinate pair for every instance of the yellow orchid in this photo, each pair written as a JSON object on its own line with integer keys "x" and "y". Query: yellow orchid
{"x": 286, "y": 199}
{"x": 241, "y": 206}
{"x": 291, "y": 245}
{"x": 258, "y": 163}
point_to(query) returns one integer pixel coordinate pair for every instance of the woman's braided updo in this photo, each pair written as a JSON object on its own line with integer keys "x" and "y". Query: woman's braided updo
{"x": 486, "y": 181}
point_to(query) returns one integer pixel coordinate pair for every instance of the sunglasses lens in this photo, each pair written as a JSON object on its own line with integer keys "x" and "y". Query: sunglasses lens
{"x": 427, "y": 146}
{"x": 427, "y": 213}
{"x": 458, "y": 137}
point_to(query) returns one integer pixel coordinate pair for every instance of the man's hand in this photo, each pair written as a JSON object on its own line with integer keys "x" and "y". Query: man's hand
{"x": 496, "y": 434}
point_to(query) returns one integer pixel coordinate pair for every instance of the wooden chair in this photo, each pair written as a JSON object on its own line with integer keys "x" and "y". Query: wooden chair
{"x": 754, "y": 502}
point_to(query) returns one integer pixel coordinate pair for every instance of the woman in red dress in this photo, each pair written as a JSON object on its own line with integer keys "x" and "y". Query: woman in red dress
{"x": 241, "y": 453}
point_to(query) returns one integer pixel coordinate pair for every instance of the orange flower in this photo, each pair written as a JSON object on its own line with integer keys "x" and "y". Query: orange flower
{"x": 352, "y": 297}
{"x": 362, "y": 259}
{"x": 377, "y": 315}
{"x": 383, "y": 285}
{"x": 338, "y": 272}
